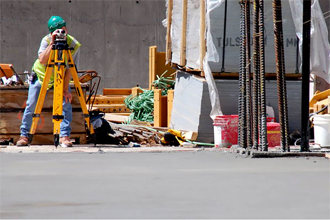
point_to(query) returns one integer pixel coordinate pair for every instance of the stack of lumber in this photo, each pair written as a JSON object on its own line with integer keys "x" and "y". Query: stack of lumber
{"x": 12, "y": 105}
{"x": 125, "y": 134}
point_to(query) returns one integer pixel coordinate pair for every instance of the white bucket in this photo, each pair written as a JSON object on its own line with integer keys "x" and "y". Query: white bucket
{"x": 322, "y": 130}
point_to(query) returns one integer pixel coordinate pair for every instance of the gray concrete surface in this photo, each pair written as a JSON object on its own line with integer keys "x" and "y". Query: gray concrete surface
{"x": 202, "y": 184}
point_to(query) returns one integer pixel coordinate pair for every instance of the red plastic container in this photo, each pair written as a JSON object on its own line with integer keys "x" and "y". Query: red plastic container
{"x": 225, "y": 130}
{"x": 273, "y": 134}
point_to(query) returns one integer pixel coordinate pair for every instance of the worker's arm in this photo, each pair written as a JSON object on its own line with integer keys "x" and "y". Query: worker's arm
{"x": 44, "y": 56}
{"x": 66, "y": 93}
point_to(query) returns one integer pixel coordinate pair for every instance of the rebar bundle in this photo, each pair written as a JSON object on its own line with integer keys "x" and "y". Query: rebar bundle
{"x": 258, "y": 136}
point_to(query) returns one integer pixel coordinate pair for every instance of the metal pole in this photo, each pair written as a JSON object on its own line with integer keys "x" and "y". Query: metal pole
{"x": 224, "y": 38}
{"x": 305, "y": 76}
{"x": 297, "y": 57}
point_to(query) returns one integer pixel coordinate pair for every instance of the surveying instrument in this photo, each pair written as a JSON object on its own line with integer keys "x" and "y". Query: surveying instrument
{"x": 60, "y": 57}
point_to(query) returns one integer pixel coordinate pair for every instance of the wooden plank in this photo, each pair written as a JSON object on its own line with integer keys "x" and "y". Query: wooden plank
{"x": 11, "y": 122}
{"x": 114, "y": 117}
{"x": 158, "y": 66}
{"x": 202, "y": 39}
{"x": 109, "y": 99}
{"x": 170, "y": 98}
{"x": 168, "y": 31}
{"x": 117, "y": 91}
{"x": 111, "y": 108}
{"x": 136, "y": 91}
{"x": 152, "y": 64}
{"x": 6, "y": 70}
{"x": 184, "y": 33}
{"x": 14, "y": 97}
{"x": 160, "y": 109}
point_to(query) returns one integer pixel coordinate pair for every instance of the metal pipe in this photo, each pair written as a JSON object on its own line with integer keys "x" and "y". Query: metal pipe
{"x": 297, "y": 57}
{"x": 305, "y": 76}
{"x": 224, "y": 38}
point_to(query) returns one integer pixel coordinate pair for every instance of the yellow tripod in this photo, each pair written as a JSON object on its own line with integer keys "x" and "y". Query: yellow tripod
{"x": 60, "y": 53}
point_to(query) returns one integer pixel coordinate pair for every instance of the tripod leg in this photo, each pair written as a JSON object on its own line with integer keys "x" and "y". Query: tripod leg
{"x": 80, "y": 96}
{"x": 56, "y": 140}
{"x": 58, "y": 95}
{"x": 41, "y": 97}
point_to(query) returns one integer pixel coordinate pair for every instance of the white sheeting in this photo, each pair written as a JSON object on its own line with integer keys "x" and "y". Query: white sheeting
{"x": 213, "y": 56}
{"x": 319, "y": 46}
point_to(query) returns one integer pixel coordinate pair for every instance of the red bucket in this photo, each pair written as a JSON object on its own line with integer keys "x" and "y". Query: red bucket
{"x": 225, "y": 130}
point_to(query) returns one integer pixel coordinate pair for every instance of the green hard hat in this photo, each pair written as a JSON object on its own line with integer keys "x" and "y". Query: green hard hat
{"x": 55, "y": 22}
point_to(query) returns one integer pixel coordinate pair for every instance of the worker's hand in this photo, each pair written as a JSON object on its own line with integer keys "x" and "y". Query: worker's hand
{"x": 53, "y": 37}
{"x": 67, "y": 96}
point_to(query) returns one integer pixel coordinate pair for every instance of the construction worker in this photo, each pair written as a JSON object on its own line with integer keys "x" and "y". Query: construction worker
{"x": 55, "y": 24}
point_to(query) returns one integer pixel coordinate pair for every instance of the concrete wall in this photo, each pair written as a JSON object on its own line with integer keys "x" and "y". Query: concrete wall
{"x": 325, "y": 6}
{"x": 115, "y": 34}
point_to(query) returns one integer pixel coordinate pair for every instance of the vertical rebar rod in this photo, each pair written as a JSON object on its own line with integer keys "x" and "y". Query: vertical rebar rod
{"x": 242, "y": 72}
{"x": 256, "y": 72}
{"x": 305, "y": 76}
{"x": 248, "y": 77}
{"x": 280, "y": 73}
{"x": 286, "y": 147}
{"x": 263, "y": 121}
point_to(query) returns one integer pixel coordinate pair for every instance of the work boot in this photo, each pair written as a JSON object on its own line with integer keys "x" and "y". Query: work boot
{"x": 65, "y": 141}
{"x": 22, "y": 141}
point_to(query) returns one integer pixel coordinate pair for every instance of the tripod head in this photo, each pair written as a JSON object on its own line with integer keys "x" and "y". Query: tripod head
{"x": 60, "y": 44}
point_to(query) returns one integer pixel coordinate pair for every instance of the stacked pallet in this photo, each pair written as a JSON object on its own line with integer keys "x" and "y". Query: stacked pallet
{"x": 111, "y": 102}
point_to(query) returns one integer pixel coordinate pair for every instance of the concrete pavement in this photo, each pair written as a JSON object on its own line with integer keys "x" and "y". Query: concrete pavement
{"x": 173, "y": 185}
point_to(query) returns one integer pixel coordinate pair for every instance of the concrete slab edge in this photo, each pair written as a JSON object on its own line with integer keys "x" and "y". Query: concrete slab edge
{"x": 273, "y": 153}
{"x": 92, "y": 149}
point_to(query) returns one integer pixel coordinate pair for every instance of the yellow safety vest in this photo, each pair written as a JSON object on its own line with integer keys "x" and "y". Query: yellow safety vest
{"x": 40, "y": 69}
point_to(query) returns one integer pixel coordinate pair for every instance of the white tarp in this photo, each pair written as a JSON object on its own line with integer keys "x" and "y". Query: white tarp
{"x": 320, "y": 51}
{"x": 193, "y": 30}
{"x": 319, "y": 46}
{"x": 213, "y": 56}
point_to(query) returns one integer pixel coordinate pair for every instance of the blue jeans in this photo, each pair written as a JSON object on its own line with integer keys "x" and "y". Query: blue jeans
{"x": 34, "y": 90}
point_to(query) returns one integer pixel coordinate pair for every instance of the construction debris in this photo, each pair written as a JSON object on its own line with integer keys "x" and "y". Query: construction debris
{"x": 125, "y": 134}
